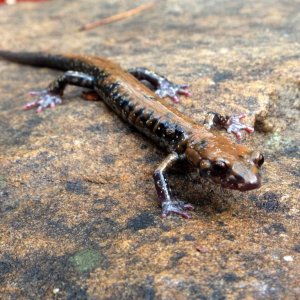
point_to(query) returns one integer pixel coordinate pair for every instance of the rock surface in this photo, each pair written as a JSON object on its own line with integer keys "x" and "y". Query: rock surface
{"x": 78, "y": 216}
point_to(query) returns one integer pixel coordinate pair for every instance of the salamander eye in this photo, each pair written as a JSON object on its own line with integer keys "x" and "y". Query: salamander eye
{"x": 219, "y": 168}
{"x": 258, "y": 159}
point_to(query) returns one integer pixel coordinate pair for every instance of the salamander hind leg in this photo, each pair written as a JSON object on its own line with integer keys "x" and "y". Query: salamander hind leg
{"x": 232, "y": 124}
{"x": 52, "y": 96}
{"x": 168, "y": 204}
{"x": 162, "y": 86}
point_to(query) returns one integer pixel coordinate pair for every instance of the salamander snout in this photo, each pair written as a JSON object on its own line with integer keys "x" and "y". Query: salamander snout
{"x": 243, "y": 178}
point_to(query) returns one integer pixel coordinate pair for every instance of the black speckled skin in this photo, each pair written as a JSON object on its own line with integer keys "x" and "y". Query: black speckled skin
{"x": 113, "y": 91}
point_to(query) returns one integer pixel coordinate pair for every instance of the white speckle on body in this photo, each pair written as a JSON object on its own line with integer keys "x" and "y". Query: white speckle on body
{"x": 288, "y": 258}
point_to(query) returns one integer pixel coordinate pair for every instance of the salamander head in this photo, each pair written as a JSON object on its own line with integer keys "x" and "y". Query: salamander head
{"x": 232, "y": 165}
{"x": 243, "y": 176}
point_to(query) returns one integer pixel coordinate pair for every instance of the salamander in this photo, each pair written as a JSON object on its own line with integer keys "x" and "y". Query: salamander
{"x": 143, "y": 106}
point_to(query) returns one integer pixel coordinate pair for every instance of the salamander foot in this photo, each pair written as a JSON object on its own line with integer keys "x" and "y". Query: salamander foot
{"x": 232, "y": 124}
{"x": 177, "y": 207}
{"x": 167, "y": 88}
{"x": 45, "y": 99}
{"x": 51, "y": 96}
{"x": 161, "y": 85}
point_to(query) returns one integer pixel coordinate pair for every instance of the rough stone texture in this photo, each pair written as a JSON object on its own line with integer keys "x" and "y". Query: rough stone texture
{"x": 78, "y": 213}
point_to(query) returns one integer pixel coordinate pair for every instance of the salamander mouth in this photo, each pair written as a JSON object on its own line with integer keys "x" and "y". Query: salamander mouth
{"x": 241, "y": 187}
{"x": 238, "y": 183}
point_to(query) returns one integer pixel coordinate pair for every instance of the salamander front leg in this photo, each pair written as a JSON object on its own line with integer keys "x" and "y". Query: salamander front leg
{"x": 168, "y": 204}
{"x": 52, "y": 96}
{"x": 231, "y": 124}
{"x": 162, "y": 86}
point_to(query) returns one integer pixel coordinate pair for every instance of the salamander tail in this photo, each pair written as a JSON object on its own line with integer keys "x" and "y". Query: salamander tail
{"x": 38, "y": 59}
